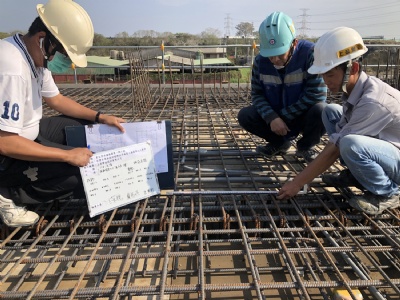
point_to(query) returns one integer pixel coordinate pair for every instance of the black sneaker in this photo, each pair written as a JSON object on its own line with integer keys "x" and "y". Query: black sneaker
{"x": 342, "y": 179}
{"x": 309, "y": 155}
{"x": 271, "y": 149}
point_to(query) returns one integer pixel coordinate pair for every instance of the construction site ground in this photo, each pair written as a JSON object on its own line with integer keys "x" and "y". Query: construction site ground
{"x": 219, "y": 234}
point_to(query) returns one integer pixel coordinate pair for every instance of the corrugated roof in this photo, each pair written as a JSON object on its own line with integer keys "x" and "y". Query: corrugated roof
{"x": 213, "y": 61}
{"x": 106, "y": 61}
{"x": 98, "y": 65}
{"x": 205, "y": 49}
{"x": 196, "y": 62}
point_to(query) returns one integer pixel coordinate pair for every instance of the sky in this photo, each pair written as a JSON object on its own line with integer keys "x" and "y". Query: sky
{"x": 311, "y": 17}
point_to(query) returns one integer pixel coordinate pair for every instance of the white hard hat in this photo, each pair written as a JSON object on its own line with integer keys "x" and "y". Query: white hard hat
{"x": 71, "y": 26}
{"x": 335, "y": 47}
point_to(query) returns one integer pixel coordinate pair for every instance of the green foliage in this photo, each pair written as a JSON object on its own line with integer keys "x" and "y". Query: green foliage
{"x": 241, "y": 76}
{"x": 210, "y": 37}
{"x": 4, "y": 35}
{"x": 245, "y": 74}
{"x": 245, "y": 29}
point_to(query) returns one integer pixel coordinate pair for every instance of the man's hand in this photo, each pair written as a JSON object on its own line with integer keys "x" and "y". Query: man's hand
{"x": 278, "y": 126}
{"x": 320, "y": 164}
{"x": 112, "y": 121}
{"x": 79, "y": 157}
{"x": 288, "y": 190}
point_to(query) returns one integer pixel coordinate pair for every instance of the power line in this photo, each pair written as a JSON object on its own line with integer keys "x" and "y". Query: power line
{"x": 227, "y": 25}
{"x": 303, "y": 28}
{"x": 374, "y": 17}
{"x": 362, "y": 18}
{"x": 359, "y": 9}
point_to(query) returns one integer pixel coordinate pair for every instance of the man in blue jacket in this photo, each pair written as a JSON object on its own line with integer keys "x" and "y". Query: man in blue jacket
{"x": 286, "y": 100}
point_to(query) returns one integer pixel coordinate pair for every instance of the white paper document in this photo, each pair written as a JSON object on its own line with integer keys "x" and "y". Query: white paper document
{"x": 101, "y": 137}
{"x": 117, "y": 177}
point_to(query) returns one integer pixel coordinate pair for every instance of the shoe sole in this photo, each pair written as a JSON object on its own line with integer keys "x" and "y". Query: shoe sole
{"x": 354, "y": 204}
{"x": 302, "y": 156}
{"x": 274, "y": 154}
{"x": 18, "y": 225}
{"x": 392, "y": 207}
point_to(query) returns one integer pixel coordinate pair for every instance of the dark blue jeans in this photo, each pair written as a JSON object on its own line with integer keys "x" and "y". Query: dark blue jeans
{"x": 309, "y": 125}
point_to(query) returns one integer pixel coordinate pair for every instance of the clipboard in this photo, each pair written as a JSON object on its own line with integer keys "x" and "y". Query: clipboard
{"x": 76, "y": 137}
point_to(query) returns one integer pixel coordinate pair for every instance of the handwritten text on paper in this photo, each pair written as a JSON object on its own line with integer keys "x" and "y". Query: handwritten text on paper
{"x": 118, "y": 177}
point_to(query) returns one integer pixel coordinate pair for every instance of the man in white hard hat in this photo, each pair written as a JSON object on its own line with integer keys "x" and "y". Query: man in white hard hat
{"x": 286, "y": 100}
{"x": 35, "y": 162}
{"x": 364, "y": 133}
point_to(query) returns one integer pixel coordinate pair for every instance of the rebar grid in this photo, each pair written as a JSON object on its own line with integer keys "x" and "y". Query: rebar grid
{"x": 197, "y": 242}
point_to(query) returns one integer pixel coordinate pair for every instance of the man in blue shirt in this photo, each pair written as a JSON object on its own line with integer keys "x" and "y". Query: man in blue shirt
{"x": 286, "y": 100}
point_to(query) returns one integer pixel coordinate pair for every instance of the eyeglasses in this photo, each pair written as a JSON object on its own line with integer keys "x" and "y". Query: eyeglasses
{"x": 57, "y": 47}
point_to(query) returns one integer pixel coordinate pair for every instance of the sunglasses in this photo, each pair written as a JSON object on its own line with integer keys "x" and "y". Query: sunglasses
{"x": 57, "y": 47}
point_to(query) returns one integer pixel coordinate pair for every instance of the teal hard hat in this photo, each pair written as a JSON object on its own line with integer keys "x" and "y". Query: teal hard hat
{"x": 277, "y": 33}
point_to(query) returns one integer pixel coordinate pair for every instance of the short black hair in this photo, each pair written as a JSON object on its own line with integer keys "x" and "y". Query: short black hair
{"x": 343, "y": 66}
{"x": 38, "y": 26}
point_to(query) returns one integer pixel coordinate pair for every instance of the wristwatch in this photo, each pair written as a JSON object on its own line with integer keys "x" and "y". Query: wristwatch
{"x": 96, "y": 119}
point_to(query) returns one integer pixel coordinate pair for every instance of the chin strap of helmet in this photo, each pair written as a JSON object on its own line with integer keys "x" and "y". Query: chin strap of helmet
{"x": 44, "y": 48}
{"x": 346, "y": 76}
{"x": 347, "y": 72}
{"x": 290, "y": 54}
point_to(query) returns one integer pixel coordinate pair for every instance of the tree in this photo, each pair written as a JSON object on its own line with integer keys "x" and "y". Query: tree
{"x": 210, "y": 36}
{"x": 185, "y": 39}
{"x": 100, "y": 40}
{"x": 122, "y": 35}
{"x": 168, "y": 38}
{"x": 245, "y": 29}
{"x": 145, "y": 33}
{"x": 3, "y": 35}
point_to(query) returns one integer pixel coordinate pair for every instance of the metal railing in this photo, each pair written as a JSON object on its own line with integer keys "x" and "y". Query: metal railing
{"x": 382, "y": 61}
